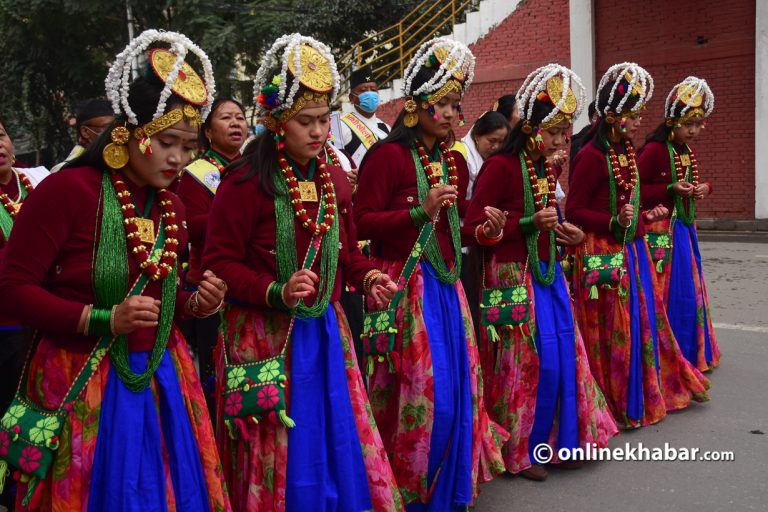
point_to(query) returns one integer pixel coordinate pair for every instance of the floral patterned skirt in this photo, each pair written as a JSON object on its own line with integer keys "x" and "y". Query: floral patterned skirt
{"x": 403, "y": 402}
{"x": 256, "y": 463}
{"x": 688, "y": 303}
{"x": 632, "y": 351}
{"x": 512, "y": 365}
{"x": 52, "y": 370}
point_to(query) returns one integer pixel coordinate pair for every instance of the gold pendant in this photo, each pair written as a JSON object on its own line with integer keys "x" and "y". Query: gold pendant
{"x": 543, "y": 186}
{"x": 16, "y": 207}
{"x": 307, "y": 191}
{"x": 411, "y": 119}
{"x": 437, "y": 168}
{"x": 623, "y": 160}
{"x": 115, "y": 155}
{"x": 685, "y": 159}
{"x": 146, "y": 230}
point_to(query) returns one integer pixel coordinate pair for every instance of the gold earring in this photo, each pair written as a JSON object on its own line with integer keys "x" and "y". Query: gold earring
{"x": 115, "y": 154}
{"x": 411, "y": 118}
{"x": 530, "y": 144}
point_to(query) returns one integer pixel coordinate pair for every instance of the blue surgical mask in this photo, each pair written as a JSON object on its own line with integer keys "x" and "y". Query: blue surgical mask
{"x": 369, "y": 101}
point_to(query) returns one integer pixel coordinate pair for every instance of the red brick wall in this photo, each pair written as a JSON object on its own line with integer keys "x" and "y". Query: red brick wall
{"x": 662, "y": 37}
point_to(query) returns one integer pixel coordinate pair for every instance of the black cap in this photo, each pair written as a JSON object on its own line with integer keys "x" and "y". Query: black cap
{"x": 361, "y": 76}
{"x": 95, "y": 107}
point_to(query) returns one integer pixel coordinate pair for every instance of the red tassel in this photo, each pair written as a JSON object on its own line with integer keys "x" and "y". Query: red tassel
{"x": 526, "y": 330}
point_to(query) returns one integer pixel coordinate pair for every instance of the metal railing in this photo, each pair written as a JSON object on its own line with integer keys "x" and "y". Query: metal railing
{"x": 389, "y": 51}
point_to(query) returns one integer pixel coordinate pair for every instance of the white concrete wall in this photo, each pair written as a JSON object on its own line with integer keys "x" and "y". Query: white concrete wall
{"x": 761, "y": 110}
{"x": 582, "y": 25}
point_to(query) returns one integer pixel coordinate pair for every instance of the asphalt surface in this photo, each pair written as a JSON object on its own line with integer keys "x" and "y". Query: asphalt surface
{"x": 736, "y": 418}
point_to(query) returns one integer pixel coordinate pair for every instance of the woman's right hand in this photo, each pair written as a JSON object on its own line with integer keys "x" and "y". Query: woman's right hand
{"x": 301, "y": 285}
{"x": 625, "y": 215}
{"x": 136, "y": 312}
{"x": 436, "y": 197}
{"x": 545, "y": 219}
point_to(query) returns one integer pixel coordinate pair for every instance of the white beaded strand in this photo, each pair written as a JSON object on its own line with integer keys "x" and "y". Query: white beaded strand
{"x": 459, "y": 57}
{"x": 700, "y": 87}
{"x": 536, "y": 82}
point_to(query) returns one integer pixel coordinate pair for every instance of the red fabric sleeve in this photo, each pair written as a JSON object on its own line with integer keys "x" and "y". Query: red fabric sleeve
{"x": 197, "y": 200}
{"x": 486, "y": 192}
{"x": 463, "y": 172}
{"x": 588, "y": 174}
{"x": 45, "y": 224}
{"x": 232, "y": 222}
{"x": 377, "y": 182}
{"x": 653, "y": 165}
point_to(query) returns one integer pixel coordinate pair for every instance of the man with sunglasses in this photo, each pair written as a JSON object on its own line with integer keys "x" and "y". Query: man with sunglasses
{"x": 92, "y": 117}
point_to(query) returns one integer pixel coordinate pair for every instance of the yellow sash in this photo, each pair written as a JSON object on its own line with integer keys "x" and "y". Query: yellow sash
{"x": 205, "y": 173}
{"x": 359, "y": 129}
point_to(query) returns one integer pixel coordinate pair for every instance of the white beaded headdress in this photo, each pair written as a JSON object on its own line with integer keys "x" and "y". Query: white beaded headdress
{"x": 691, "y": 93}
{"x": 276, "y": 68}
{"x": 119, "y": 78}
{"x": 450, "y": 59}
{"x": 556, "y": 82}
{"x": 626, "y": 79}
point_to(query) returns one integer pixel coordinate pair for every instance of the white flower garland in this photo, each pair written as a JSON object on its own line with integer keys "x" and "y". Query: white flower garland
{"x": 459, "y": 57}
{"x": 281, "y": 51}
{"x": 118, "y": 79}
{"x": 700, "y": 86}
{"x": 640, "y": 78}
{"x": 536, "y": 82}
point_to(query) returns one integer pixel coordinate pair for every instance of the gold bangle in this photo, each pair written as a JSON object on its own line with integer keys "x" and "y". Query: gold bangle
{"x": 112, "y": 320}
{"x": 88, "y": 319}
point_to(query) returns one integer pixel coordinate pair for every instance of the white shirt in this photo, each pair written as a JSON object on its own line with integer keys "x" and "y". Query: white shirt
{"x": 372, "y": 123}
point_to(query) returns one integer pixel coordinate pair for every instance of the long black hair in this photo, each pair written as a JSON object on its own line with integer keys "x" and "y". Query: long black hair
{"x": 143, "y": 97}
{"x": 203, "y": 140}
{"x": 489, "y": 122}
{"x": 579, "y": 139}
{"x": 660, "y": 133}
{"x": 403, "y": 135}
{"x": 506, "y": 105}
{"x": 515, "y": 141}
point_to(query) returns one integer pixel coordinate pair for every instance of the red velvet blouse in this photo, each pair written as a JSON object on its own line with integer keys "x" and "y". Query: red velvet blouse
{"x": 46, "y": 273}
{"x": 387, "y": 191}
{"x": 240, "y": 241}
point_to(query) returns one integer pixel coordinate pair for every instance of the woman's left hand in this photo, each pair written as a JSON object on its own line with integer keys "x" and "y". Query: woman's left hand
{"x": 210, "y": 292}
{"x": 701, "y": 191}
{"x": 494, "y": 224}
{"x": 658, "y": 212}
{"x": 352, "y": 177}
{"x": 568, "y": 234}
{"x": 383, "y": 290}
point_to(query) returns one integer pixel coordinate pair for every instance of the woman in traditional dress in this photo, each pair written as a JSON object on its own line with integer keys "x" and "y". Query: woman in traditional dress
{"x": 537, "y": 377}
{"x": 428, "y": 400}
{"x": 92, "y": 265}
{"x": 292, "y": 416}
{"x": 15, "y": 185}
{"x": 221, "y": 136}
{"x": 669, "y": 175}
{"x": 632, "y": 350}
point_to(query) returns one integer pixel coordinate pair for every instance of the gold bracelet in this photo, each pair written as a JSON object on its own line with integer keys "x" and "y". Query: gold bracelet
{"x": 112, "y": 320}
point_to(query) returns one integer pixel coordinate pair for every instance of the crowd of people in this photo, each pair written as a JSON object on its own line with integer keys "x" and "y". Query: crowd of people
{"x": 380, "y": 318}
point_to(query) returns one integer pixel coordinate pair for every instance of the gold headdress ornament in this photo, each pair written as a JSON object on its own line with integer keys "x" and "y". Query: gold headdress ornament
{"x": 454, "y": 66}
{"x": 553, "y": 84}
{"x": 179, "y": 79}
{"x": 626, "y": 80}
{"x": 310, "y": 68}
{"x": 690, "y": 98}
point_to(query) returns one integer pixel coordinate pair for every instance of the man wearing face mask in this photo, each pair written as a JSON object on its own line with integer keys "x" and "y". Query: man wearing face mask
{"x": 361, "y": 129}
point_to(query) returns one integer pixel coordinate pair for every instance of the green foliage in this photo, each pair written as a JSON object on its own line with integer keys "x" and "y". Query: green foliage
{"x": 56, "y": 53}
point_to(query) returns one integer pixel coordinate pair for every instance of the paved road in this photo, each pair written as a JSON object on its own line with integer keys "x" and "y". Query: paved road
{"x": 736, "y": 419}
